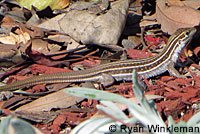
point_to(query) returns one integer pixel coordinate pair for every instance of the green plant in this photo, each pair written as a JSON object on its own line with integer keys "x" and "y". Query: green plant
{"x": 145, "y": 114}
{"x": 14, "y": 125}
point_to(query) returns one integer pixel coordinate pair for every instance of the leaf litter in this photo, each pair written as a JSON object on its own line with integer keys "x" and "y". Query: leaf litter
{"x": 83, "y": 35}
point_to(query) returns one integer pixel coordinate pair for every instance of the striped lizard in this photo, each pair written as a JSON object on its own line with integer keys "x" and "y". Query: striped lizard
{"x": 119, "y": 70}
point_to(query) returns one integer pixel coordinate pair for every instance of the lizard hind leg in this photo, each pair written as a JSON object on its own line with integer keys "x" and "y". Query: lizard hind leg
{"x": 174, "y": 72}
{"x": 106, "y": 79}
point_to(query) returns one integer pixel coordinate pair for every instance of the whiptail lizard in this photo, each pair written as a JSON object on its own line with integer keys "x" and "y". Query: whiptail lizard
{"x": 119, "y": 70}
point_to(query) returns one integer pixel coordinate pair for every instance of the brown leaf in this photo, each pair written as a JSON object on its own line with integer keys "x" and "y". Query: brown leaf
{"x": 58, "y": 99}
{"x": 43, "y": 46}
{"x": 33, "y": 31}
{"x": 153, "y": 41}
{"x": 192, "y": 3}
{"x": 172, "y": 17}
{"x": 7, "y": 20}
{"x": 177, "y": 83}
{"x": 38, "y": 88}
{"x": 166, "y": 78}
{"x": 58, "y": 122}
{"x": 173, "y": 95}
{"x": 190, "y": 93}
{"x": 42, "y": 69}
{"x": 2, "y": 76}
{"x": 88, "y": 62}
{"x": 173, "y": 107}
{"x": 176, "y": 2}
{"x": 196, "y": 66}
{"x": 37, "y": 116}
{"x": 59, "y": 4}
{"x": 197, "y": 51}
{"x": 40, "y": 58}
{"x": 13, "y": 101}
{"x": 7, "y": 51}
{"x": 87, "y": 27}
{"x": 134, "y": 53}
{"x": 134, "y": 100}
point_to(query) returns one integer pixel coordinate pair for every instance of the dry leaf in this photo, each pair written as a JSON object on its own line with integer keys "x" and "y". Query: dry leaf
{"x": 175, "y": 2}
{"x": 134, "y": 53}
{"x": 40, "y": 58}
{"x": 58, "y": 99}
{"x": 39, "y": 117}
{"x": 90, "y": 28}
{"x": 172, "y": 17}
{"x": 54, "y": 21}
{"x": 43, "y": 46}
{"x": 192, "y": 3}
{"x": 134, "y": 100}
{"x": 15, "y": 39}
{"x": 7, "y": 51}
{"x": 148, "y": 20}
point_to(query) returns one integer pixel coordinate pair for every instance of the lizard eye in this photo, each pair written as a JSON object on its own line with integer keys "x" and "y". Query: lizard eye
{"x": 187, "y": 33}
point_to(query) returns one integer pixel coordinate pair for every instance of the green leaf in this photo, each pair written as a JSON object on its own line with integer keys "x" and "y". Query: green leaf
{"x": 101, "y": 95}
{"x": 22, "y": 127}
{"x": 4, "y": 124}
{"x": 91, "y": 125}
{"x": 194, "y": 120}
{"x": 112, "y": 110}
{"x": 39, "y": 4}
{"x": 95, "y": 94}
{"x": 42, "y": 4}
{"x": 171, "y": 121}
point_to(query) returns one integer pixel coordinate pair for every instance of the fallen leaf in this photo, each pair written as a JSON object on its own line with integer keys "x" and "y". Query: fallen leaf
{"x": 4, "y": 75}
{"x": 167, "y": 78}
{"x": 172, "y": 17}
{"x": 173, "y": 107}
{"x": 55, "y": 20}
{"x": 176, "y": 2}
{"x": 196, "y": 66}
{"x": 175, "y": 84}
{"x": 153, "y": 41}
{"x": 197, "y": 51}
{"x": 43, "y": 46}
{"x": 7, "y": 51}
{"x": 40, "y": 58}
{"x": 40, "y": 117}
{"x": 134, "y": 100}
{"x": 192, "y": 3}
{"x": 13, "y": 100}
{"x": 15, "y": 39}
{"x": 88, "y": 63}
{"x": 58, "y": 122}
{"x": 134, "y": 53}
{"x": 58, "y": 99}
{"x": 42, "y": 69}
{"x": 89, "y": 28}
{"x": 190, "y": 93}
{"x": 148, "y": 21}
